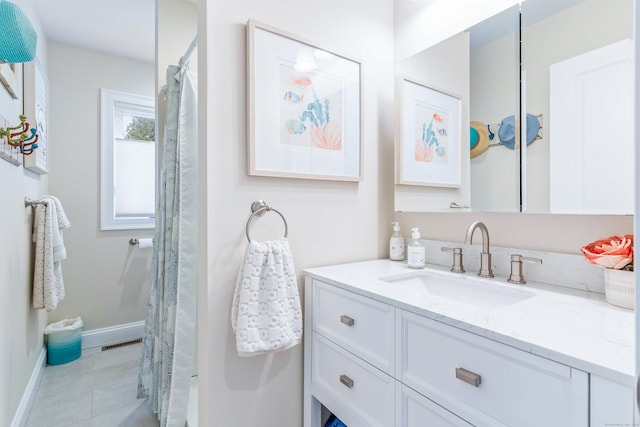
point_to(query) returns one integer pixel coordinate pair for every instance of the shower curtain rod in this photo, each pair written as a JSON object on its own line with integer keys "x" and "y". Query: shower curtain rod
{"x": 189, "y": 51}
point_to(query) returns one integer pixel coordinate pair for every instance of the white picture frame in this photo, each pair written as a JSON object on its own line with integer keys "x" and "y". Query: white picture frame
{"x": 304, "y": 108}
{"x": 36, "y": 108}
{"x": 428, "y": 135}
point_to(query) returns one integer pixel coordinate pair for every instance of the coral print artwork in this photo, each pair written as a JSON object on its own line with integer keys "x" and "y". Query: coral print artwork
{"x": 431, "y": 139}
{"x": 310, "y": 110}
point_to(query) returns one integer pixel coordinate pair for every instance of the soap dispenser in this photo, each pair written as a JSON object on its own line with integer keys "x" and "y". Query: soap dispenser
{"x": 415, "y": 251}
{"x": 396, "y": 244}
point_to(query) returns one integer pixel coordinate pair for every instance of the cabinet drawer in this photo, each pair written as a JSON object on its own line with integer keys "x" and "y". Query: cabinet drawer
{"x": 361, "y": 394}
{"x": 361, "y": 325}
{"x": 499, "y": 386}
{"x": 415, "y": 410}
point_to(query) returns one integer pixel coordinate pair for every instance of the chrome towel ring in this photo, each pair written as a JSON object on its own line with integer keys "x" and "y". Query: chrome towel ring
{"x": 259, "y": 208}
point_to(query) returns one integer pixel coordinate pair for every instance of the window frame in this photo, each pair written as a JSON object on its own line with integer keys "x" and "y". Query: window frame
{"x": 108, "y": 100}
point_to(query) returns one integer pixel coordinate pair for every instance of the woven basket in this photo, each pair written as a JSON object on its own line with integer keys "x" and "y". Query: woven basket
{"x": 18, "y": 39}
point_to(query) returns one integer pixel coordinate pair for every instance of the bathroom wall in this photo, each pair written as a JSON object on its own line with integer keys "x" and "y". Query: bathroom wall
{"x": 106, "y": 279}
{"x": 20, "y": 326}
{"x": 329, "y": 222}
{"x": 494, "y": 96}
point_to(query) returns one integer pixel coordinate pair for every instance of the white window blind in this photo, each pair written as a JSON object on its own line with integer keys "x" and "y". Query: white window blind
{"x": 128, "y": 161}
{"x": 134, "y": 180}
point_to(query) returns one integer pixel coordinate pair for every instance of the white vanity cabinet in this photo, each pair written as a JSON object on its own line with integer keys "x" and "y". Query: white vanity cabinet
{"x": 374, "y": 363}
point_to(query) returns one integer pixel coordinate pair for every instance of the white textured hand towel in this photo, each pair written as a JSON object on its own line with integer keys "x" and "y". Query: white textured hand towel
{"x": 266, "y": 314}
{"x": 50, "y": 220}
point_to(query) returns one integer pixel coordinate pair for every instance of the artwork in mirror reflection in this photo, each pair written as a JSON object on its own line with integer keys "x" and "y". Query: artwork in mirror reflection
{"x": 481, "y": 66}
{"x": 429, "y": 138}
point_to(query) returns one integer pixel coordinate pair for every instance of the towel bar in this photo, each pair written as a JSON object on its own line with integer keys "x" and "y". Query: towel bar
{"x": 259, "y": 208}
{"x": 30, "y": 202}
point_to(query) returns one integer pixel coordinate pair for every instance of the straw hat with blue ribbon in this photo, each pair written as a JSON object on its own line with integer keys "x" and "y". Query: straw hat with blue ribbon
{"x": 478, "y": 138}
{"x": 18, "y": 39}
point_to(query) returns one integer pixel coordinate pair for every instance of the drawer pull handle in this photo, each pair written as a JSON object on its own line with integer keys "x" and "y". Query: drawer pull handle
{"x": 348, "y": 382}
{"x": 347, "y": 320}
{"x": 468, "y": 377}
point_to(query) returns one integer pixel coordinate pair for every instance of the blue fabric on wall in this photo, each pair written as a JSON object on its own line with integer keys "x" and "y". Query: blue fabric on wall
{"x": 507, "y": 130}
{"x": 334, "y": 421}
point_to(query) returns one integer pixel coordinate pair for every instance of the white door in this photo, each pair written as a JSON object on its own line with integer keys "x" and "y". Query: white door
{"x": 592, "y": 132}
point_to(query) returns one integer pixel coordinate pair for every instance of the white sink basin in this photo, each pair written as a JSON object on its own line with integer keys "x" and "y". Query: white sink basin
{"x": 462, "y": 289}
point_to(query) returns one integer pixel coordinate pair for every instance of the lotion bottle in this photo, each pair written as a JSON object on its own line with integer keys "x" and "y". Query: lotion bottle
{"x": 415, "y": 251}
{"x": 396, "y": 244}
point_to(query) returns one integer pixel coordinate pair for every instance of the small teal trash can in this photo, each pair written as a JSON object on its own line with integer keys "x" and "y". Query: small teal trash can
{"x": 64, "y": 341}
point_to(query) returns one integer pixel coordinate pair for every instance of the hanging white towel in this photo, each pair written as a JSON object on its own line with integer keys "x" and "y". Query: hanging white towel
{"x": 266, "y": 314}
{"x": 50, "y": 220}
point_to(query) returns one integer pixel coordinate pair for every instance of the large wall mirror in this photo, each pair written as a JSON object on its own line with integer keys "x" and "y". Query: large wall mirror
{"x": 576, "y": 97}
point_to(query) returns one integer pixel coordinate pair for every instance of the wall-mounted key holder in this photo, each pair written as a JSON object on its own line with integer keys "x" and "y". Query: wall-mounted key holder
{"x": 8, "y": 152}
{"x": 30, "y": 144}
{"x": 17, "y": 139}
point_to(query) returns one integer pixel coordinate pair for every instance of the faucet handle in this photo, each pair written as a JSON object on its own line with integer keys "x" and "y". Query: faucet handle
{"x": 516, "y": 275}
{"x": 457, "y": 266}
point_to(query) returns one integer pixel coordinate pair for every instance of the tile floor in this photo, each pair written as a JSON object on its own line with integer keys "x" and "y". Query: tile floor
{"x": 97, "y": 390}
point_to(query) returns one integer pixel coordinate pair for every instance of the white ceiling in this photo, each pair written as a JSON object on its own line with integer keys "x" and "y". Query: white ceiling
{"x": 120, "y": 27}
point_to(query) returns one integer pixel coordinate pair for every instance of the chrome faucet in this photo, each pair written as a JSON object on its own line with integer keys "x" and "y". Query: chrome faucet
{"x": 485, "y": 256}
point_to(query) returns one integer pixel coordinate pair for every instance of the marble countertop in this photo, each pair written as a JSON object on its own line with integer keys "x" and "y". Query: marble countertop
{"x": 573, "y": 327}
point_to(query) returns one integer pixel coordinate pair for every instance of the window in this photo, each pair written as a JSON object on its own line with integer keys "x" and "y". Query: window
{"x": 128, "y": 161}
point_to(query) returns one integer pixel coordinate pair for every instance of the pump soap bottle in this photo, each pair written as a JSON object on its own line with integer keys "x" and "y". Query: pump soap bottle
{"x": 415, "y": 251}
{"x": 396, "y": 244}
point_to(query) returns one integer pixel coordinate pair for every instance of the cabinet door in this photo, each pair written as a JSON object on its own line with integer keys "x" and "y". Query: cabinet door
{"x": 611, "y": 403}
{"x": 415, "y": 410}
{"x": 497, "y": 386}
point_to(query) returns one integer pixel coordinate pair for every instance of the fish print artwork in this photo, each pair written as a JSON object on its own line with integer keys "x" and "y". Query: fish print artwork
{"x": 293, "y": 97}
{"x": 295, "y": 126}
{"x": 431, "y": 137}
{"x": 310, "y": 109}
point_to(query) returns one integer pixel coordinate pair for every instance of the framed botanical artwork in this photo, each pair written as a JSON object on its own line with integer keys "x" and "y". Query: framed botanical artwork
{"x": 428, "y": 135}
{"x": 36, "y": 88}
{"x": 304, "y": 108}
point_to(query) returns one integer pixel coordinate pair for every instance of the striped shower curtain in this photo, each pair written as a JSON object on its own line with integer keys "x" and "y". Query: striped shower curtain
{"x": 170, "y": 328}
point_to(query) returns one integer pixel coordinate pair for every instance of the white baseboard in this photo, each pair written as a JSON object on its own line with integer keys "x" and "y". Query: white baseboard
{"x": 113, "y": 335}
{"x": 20, "y": 418}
